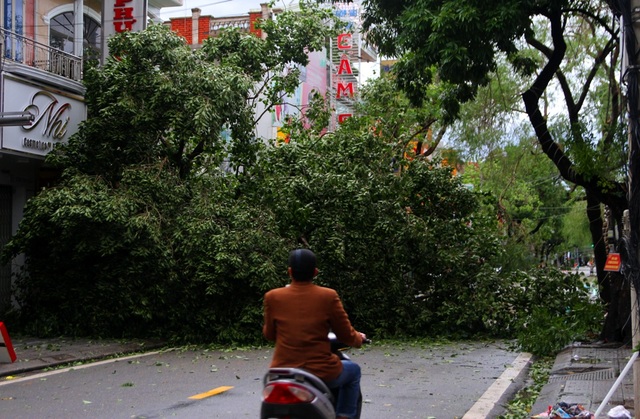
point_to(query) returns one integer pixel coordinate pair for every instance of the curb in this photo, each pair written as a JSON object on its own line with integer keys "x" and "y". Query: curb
{"x": 36, "y": 355}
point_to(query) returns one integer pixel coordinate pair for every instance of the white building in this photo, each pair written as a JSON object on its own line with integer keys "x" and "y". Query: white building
{"x": 41, "y": 62}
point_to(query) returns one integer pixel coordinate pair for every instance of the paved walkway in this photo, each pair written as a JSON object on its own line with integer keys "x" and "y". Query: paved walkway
{"x": 585, "y": 374}
{"x": 37, "y": 354}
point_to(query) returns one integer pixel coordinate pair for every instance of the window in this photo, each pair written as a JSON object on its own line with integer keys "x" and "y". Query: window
{"x": 13, "y": 22}
{"x": 62, "y": 31}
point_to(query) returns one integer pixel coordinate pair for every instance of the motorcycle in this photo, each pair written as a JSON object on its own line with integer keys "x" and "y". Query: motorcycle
{"x": 293, "y": 393}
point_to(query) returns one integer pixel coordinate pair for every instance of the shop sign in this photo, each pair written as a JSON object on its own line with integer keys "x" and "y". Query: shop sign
{"x": 344, "y": 87}
{"x": 56, "y": 117}
{"x": 613, "y": 262}
{"x": 122, "y": 16}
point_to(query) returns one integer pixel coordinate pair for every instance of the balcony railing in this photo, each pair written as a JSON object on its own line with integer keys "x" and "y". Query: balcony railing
{"x": 219, "y": 24}
{"x": 26, "y": 51}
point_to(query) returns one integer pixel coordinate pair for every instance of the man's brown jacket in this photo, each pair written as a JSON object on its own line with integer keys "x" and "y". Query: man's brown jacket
{"x": 299, "y": 317}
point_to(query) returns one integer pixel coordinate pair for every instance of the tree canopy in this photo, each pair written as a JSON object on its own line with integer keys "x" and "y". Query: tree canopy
{"x": 453, "y": 41}
{"x": 181, "y": 105}
{"x": 570, "y": 52}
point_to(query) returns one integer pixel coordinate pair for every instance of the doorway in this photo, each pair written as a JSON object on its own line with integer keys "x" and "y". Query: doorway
{"x": 5, "y": 236}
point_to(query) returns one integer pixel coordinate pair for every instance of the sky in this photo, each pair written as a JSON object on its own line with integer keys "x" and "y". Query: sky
{"x": 218, "y": 8}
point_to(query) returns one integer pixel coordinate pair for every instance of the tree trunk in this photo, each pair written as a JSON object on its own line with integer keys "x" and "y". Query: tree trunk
{"x": 612, "y": 286}
{"x": 617, "y": 324}
{"x": 613, "y": 291}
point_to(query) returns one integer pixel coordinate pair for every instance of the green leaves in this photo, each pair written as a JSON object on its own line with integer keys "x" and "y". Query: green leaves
{"x": 156, "y": 99}
{"x": 459, "y": 38}
{"x": 398, "y": 245}
{"x": 156, "y": 238}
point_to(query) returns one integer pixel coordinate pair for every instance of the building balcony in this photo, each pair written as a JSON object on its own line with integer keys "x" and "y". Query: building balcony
{"x": 240, "y": 22}
{"x": 31, "y": 59}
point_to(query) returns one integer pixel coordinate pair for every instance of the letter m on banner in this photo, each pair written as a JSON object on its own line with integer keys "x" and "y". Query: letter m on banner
{"x": 345, "y": 89}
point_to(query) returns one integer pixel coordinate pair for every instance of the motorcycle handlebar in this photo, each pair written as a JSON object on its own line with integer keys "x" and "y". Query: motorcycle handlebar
{"x": 337, "y": 344}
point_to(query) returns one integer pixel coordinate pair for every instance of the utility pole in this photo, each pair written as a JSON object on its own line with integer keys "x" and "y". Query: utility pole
{"x": 631, "y": 70}
{"x": 634, "y": 322}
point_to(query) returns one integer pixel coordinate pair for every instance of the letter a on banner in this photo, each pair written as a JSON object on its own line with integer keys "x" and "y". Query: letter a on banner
{"x": 7, "y": 354}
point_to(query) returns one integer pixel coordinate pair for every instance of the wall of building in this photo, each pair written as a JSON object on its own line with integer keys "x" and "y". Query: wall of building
{"x": 18, "y": 182}
{"x": 59, "y": 108}
{"x": 55, "y": 99}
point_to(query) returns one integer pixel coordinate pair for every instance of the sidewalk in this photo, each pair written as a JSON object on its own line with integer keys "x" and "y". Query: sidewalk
{"x": 584, "y": 374}
{"x": 37, "y": 354}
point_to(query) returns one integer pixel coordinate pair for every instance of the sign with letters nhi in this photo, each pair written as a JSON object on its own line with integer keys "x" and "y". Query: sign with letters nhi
{"x": 57, "y": 116}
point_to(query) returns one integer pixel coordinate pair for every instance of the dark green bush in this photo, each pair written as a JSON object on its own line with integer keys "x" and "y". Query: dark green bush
{"x": 95, "y": 254}
{"x": 556, "y": 311}
{"x": 229, "y": 255}
{"x": 410, "y": 254}
{"x": 407, "y": 251}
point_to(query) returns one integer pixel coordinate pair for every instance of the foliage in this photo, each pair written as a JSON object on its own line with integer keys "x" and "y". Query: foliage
{"x": 229, "y": 254}
{"x": 156, "y": 99}
{"x": 405, "y": 248}
{"x": 417, "y": 129}
{"x": 95, "y": 255}
{"x": 142, "y": 260}
{"x": 520, "y": 406}
{"x": 146, "y": 234}
{"x": 493, "y": 119}
{"x": 575, "y": 227}
{"x": 568, "y": 54}
{"x": 568, "y": 314}
{"x": 528, "y": 199}
{"x": 454, "y": 41}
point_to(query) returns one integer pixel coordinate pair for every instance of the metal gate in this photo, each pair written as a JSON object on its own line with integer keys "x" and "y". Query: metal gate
{"x": 5, "y": 235}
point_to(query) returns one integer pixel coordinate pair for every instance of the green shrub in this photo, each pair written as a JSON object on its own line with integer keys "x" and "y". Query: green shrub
{"x": 229, "y": 255}
{"x": 565, "y": 315}
{"x": 145, "y": 259}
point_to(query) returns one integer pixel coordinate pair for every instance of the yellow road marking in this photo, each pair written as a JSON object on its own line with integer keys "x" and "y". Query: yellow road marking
{"x": 210, "y": 393}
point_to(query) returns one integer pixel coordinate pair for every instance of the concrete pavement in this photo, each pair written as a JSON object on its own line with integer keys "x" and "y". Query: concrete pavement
{"x": 585, "y": 374}
{"x": 35, "y": 354}
{"x": 582, "y": 374}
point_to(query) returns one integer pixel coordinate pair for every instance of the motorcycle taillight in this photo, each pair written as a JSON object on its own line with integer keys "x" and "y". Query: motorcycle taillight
{"x": 286, "y": 393}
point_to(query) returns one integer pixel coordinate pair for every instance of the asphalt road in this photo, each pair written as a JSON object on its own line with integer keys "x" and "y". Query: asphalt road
{"x": 409, "y": 381}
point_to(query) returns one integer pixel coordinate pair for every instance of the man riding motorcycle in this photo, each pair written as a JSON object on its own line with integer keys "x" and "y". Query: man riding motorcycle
{"x": 299, "y": 317}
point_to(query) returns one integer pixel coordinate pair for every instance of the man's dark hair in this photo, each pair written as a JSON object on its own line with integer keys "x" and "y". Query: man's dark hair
{"x": 303, "y": 264}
